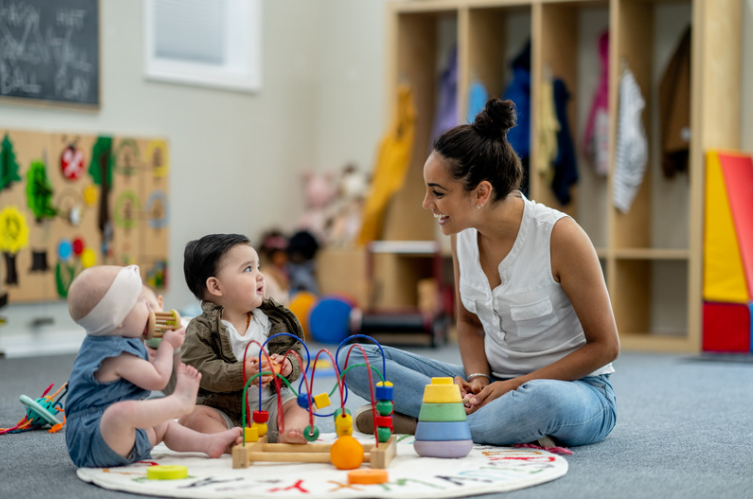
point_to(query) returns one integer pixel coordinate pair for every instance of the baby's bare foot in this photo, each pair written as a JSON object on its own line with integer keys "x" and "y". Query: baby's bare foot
{"x": 222, "y": 442}
{"x": 186, "y": 388}
{"x": 292, "y": 436}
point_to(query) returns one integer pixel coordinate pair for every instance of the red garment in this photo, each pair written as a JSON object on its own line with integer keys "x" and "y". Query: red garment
{"x": 596, "y": 138}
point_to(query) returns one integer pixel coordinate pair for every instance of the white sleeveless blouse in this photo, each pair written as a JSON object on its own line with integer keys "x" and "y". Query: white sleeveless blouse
{"x": 528, "y": 319}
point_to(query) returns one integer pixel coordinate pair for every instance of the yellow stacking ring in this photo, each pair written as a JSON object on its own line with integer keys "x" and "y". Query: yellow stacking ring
{"x": 166, "y": 472}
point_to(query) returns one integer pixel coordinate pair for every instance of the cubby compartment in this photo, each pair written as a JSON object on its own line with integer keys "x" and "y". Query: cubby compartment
{"x": 424, "y": 44}
{"x": 567, "y": 48}
{"x": 648, "y": 33}
{"x": 651, "y": 302}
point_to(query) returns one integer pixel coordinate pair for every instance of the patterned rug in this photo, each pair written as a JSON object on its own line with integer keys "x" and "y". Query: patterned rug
{"x": 485, "y": 470}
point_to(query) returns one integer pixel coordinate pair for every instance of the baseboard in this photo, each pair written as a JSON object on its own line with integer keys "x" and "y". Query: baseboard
{"x": 41, "y": 343}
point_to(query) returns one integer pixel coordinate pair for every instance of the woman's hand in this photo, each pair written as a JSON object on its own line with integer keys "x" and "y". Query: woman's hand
{"x": 489, "y": 392}
{"x": 470, "y": 388}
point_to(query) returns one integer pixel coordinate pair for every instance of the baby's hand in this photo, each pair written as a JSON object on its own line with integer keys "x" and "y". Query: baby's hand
{"x": 282, "y": 365}
{"x": 175, "y": 337}
{"x": 252, "y": 368}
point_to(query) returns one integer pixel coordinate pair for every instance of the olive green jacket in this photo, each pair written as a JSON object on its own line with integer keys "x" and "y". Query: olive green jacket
{"x": 207, "y": 348}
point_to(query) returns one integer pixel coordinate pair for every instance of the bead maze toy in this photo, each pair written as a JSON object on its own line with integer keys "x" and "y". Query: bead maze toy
{"x": 346, "y": 452}
{"x": 442, "y": 429}
{"x": 158, "y": 324}
{"x": 42, "y": 412}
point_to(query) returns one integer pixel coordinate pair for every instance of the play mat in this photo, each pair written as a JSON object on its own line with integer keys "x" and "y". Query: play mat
{"x": 484, "y": 470}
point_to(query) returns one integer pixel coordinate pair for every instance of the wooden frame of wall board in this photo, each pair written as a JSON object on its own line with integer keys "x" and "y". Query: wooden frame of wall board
{"x": 631, "y": 253}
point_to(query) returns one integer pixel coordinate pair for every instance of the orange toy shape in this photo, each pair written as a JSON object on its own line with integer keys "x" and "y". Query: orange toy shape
{"x": 346, "y": 453}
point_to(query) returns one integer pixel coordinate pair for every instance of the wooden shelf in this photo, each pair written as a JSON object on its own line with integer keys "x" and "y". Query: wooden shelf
{"x": 651, "y": 254}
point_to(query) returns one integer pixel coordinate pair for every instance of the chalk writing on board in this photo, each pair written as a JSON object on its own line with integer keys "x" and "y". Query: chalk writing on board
{"x": 50, "y": 50}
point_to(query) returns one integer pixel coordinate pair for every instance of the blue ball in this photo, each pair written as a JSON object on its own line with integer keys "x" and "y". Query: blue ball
{"x": 329, "y": 320}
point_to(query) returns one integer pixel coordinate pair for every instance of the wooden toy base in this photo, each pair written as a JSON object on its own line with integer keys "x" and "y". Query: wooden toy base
{"x": 262, "y": 451}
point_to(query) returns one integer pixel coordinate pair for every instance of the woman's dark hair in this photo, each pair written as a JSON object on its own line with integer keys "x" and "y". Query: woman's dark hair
{"x": 479, "y": 151}
{"x": 202, "y": 258}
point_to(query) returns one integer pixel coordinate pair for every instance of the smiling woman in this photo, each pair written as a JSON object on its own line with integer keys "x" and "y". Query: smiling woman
{"x": 535, "y": 326}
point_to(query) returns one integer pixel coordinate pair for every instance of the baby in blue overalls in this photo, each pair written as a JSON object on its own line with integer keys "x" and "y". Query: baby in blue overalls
{"x": 108, "y": 421}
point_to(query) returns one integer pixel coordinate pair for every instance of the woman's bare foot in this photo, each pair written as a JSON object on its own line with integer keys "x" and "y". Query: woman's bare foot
{"x": 224, "y": 441}
{"x": 186, "y": 388}
{"x": 292, "y": 436}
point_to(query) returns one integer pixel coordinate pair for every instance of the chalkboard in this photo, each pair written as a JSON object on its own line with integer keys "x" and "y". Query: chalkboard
{"x": 49, "y": 51}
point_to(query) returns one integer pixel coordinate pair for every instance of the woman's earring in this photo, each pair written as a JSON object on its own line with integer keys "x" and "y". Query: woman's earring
{"x": 479, "y": 206}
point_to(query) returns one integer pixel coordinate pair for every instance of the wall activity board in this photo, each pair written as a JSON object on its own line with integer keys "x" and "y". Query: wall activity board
{"x": 69, "y": 201}
{"x": 49, "y": 51}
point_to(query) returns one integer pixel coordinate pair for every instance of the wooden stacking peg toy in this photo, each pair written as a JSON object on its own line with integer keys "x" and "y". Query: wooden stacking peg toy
{"x": 442, "y": 429}
{"x": 159, "y": 323}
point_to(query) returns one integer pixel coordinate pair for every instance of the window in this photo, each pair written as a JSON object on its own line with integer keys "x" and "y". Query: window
{"x": 215, "y": 43}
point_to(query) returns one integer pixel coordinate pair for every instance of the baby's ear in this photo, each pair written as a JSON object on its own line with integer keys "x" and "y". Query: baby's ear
{"x": 213, "y": 286}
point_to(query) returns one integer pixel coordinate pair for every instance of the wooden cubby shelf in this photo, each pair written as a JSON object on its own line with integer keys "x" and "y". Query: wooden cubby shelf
{"x": 651, "y": 255}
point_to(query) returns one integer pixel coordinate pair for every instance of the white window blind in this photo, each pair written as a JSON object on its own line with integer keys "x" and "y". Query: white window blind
{"x": 204, "y": 42}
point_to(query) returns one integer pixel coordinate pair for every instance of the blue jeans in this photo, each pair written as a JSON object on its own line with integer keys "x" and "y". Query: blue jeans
{"x": 572, "y": 412}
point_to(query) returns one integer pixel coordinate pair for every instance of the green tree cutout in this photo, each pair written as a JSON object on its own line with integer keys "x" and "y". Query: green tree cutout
{"x": 39, "y": 192}
{"x": 100, "y": 169}
{"x": 8, "y": 164}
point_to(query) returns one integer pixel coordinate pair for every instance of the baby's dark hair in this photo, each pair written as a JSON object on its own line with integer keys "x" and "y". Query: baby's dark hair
{"x": 202, "y": 259}
{"x": 480, "y": 151}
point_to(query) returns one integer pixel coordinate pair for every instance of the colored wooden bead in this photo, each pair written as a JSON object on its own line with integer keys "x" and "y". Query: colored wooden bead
{"x": 321, "y": 401}
{"x": 260, "y": 416}
{"x": 339, "y": 411}
{"x": 344, "y": 425}
{"x": 251, "y": 434}
{"x": 384, "y": 391}
{"x": 385, "y": 407}
{"x": 303, "y": 401}
{"x": 311, "y": 434}
{"x": 346, "y": 453}
{"x": 384, "y": 421}
{"x": 384, "y": 434}
{"x": 261, "y": 428}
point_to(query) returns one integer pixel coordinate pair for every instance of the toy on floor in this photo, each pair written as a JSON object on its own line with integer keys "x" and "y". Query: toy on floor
{"x": 442, "y": 429}
{"x": 41, "y": 413}
{"x": 159, "y": 323}
{"x": 346, "y": 452}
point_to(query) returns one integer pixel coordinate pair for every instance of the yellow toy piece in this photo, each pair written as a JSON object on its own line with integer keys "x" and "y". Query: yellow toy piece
{"x": 723, "y": 274}
{"x": 344, "y": 425}
{"x": 321, "y": 401}
{"x": 251, "y": 434}
{"x": 368, "y": 477}
{"x": 261, "y": 429}
{"x": 386, "y": 383}
{"x": 346, "y": 453}
{"x": 440, "y": 391}
{"x": 166, "y": 472}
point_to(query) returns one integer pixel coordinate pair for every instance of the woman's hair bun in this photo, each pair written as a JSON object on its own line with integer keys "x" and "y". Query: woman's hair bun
{"x": 496, "y": 119}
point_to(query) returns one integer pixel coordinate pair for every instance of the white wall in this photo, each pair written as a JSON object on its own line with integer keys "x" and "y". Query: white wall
{"x": 235, "y": 156}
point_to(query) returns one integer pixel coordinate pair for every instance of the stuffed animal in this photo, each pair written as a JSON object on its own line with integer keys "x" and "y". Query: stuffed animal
{"x": 320, "y": 192}
{"x": 353, "y": 187}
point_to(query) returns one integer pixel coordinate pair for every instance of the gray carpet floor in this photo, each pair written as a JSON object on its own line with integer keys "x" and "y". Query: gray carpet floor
{"x": 684, "y": 430}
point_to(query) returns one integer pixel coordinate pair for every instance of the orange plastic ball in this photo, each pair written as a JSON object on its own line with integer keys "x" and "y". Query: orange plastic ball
{"x": 346, "y": 453}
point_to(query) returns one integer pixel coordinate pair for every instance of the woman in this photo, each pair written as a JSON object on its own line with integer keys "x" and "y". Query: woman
{"x": 535, "y": 326}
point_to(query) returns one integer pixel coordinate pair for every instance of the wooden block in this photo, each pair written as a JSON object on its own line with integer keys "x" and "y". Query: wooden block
{"x": 380, "y": 457}
{"x": 240, "y": 457}
{"x": 444, "y": 431}
{"x": 442, "y": 412}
